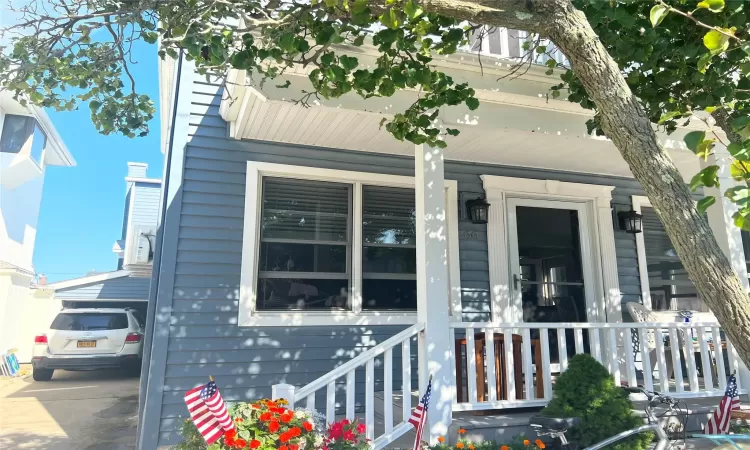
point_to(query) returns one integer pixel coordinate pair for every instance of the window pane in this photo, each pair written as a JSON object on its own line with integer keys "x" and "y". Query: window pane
{"x": 286, "y": 294}
{"x": 389, "y": 260}
{"x": 90, "y": 321}
{"x": 389, "y": 294}
{"x": 389, "y": 215}
{"x": 287, "y": 257}
{"x": 305, "y": 210}
{"x": 16, "y": 131}
{"x": 670, "y": 287}
{"x": 38, "y": 144}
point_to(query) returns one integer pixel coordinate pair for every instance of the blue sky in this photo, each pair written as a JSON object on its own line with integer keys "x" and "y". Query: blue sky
{"x": 82, "y": 206}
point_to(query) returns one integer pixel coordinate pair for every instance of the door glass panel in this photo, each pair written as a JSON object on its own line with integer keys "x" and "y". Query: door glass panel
{"x": 549, "y": 256}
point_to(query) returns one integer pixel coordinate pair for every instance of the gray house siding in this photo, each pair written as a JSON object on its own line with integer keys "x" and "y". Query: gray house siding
{"x": 145, "y": 204}
{"x": 126, "y": 288}
{"x": 206, "y": 215}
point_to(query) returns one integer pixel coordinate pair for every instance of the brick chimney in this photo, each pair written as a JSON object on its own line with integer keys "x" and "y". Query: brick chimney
{"x": 137, "y": 170}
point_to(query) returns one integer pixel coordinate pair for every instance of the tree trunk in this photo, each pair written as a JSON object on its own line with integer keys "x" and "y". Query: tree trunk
{"x": 626, "y": 124}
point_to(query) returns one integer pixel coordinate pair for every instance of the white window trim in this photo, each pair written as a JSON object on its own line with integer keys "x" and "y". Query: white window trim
{"x": 249, "y": 316}
{"x": 597, "y": 199}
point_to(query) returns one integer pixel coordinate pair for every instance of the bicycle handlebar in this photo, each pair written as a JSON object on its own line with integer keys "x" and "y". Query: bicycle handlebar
{"x": 654, "y": 398}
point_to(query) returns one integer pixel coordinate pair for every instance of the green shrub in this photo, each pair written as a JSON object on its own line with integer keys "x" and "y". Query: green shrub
{"x": 586, "y": 390}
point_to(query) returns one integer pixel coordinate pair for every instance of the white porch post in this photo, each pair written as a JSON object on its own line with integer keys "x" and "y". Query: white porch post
{"x": 720, "y": 215}
{"x": 726, "y": 232}
{"x": 435, "y": 349}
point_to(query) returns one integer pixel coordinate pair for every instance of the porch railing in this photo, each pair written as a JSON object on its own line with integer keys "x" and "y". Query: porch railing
{"x": 383, "y": 355}
{"x": 684, "y": 359}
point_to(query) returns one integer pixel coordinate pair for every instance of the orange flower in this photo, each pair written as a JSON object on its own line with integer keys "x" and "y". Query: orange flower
{"x": 540, "y": 444}
{"x": 526, "y": 442}
{"x": 504, "y": 447}
{"x": 471, "y": 446}
{"x": 460, "y": 445}
{"x": 441, "y": 439}
{"x": 461, "y": 431}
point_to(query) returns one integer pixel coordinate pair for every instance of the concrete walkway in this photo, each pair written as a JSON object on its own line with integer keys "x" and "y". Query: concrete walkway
{"x": 74, "y": 411}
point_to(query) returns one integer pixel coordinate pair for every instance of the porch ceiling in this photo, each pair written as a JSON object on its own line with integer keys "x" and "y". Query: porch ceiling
{"x": 515, "y": 125}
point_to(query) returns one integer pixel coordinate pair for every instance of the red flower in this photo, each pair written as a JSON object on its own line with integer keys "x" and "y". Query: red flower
{"x": 254, "y": 443}
{"x": 277, "y": 410}
{"x": 283, "y": 447}
{"x": 307, "y": 425}
{"x": 345, "y": 422}
{"x": 240, "y": 443}
{"x": 361, "y": 428}
{"x": 285, "y": 437}
{"x": 273, "y": 426}
{"x": 293, "y": 447}
{"x": 239, "y": 420}
{"x": 229, "y": 442}
{"x": 349, "y": 436}
{"x": 287, "y": 417}
{"x": 230, "y": 434}
{"x": 337, "y": 429}
{"x": 266, "y": 416}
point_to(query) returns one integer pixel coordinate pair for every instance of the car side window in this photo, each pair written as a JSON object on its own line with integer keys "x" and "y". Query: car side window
{"x": 139, "y": 318}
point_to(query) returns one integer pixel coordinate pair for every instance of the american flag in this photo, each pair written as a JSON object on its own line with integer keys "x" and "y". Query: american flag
{"x": 419, "y": 415}
{"x": 208, "y": 411}
{"x": 719, "y": 422}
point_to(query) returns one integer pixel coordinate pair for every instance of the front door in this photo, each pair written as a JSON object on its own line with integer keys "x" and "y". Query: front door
{"x": 551, "y": 261}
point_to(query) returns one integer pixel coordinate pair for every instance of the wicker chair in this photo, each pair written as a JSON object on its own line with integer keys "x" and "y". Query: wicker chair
{"x": 640, "y": 313}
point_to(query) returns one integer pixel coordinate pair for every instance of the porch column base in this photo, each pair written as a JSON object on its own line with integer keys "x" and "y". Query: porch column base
{"x": 433, "y": 292}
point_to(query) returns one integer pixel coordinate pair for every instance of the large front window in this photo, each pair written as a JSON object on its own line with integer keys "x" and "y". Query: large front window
{"x": 20, "y": 132}
{"x": 306, "y": 251}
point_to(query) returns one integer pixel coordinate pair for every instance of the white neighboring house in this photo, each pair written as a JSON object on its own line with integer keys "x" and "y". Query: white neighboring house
{"x": 29, "y": 144}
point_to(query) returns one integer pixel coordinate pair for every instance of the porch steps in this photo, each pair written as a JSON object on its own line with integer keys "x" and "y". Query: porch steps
{"x": 502, "y": 426}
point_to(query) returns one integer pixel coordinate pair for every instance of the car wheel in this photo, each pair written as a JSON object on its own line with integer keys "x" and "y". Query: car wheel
{"x": 42, "y": 374}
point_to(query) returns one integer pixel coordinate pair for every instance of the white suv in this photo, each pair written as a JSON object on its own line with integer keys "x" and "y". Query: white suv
{"x": 91, "y": 338}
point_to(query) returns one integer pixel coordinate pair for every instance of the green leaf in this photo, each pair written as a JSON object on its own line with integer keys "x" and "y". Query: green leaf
{"x": 658, "y": 13}
{"x": 712, "y": 5}
{"x": 707, "y": 177}
{"x": 704, "y": 62}
{"x": 452, "y": 131}
{"x": 746, "y": 47}
{"x": 715, "y": 41}
{"x": 412, "y": 10}
{"x": 740, "y": 122}
{"x": 694, "y": 138}
{"x": 741, "y": 221}
{"x": 472, "y": 103}
{"x": 390, "y": 19}
{"x": 704, "y": 203}
{"x": 331, "y": 3}
{"x": 739, "y": 195}
{"x": 740, "y": 170}
{"x": 739, "y": 151}
{"x": 672, "y": 115}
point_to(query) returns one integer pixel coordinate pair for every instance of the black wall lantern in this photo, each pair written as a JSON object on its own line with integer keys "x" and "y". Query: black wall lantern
{"x": 478, "y": 210}
{"x": 630, "y": 221}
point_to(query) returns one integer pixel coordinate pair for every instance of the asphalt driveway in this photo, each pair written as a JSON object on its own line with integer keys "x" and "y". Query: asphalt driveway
{"x": 75, "y": 411}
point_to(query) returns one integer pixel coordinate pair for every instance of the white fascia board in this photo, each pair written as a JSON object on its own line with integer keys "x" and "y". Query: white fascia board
{"x": 88, "y": 280}
{"x": 143, "y": 180}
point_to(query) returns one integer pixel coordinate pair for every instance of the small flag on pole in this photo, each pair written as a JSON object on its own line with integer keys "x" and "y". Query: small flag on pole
{"x": 419, "y": 415}
{"x": 719, "y": 421}
{"x": 208, "y": 411}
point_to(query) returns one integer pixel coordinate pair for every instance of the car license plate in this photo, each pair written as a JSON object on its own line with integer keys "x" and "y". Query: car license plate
{"x": 86, "y": 344}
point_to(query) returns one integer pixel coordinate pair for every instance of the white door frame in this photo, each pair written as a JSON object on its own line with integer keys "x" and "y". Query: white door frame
{"x": 594, "y": 310}
{"x": 595, "y": 199}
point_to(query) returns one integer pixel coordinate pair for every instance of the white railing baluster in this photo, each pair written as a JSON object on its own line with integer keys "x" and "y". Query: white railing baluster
{"x": 648, "y": 381}
{"x": 630, "y": 358}
{"x": 692, "y": 367}
{"x": 406, "y": 379}
{"x": 454, "y": 360}
{"x": 489, "y": 351}
{"x": 674, "y": 346}
{"x": 510, "y": 367}
{"x": 547, "y": 369}
{"x": 734, "y": 362}
{"x": 528, "y": 368}
{"x": 708, "y": 378}
{"x": 331, "y": 402}
{"x": 388, "y": 390}
{"x": 613, "y": 359}
{"x": 370, "y": 399}
{"x": 311, "y": 402}
{"x": 562, "y": 349}
{"x": 596, "y": 347}
{"x": 579, "y": 340}
{"x": 721, "y": 373}
{"x": 350, "y": 394}
{"x": 661, "y": 361}
{"x": 471, "y": 366}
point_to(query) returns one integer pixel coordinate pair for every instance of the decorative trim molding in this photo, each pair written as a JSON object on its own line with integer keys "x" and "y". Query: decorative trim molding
{"x": 597, "y": 199}
{"x": 98, "y": 278}
{"x": 248, "y": 316}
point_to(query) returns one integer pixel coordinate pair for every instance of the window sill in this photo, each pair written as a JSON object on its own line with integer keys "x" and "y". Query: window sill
{"x": 327, "y": 318}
